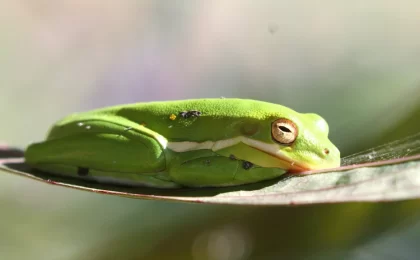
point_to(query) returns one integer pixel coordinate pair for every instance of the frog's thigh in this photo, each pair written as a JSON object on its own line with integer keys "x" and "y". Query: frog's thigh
{"x": 102, "y": 152}
{"x": 214, "y": 171}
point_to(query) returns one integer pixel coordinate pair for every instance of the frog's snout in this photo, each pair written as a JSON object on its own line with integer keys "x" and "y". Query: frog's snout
{"x": 331, "y": 157}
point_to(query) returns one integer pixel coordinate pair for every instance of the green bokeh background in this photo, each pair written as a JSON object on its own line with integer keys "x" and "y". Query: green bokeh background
{"x": 355, "y": 63}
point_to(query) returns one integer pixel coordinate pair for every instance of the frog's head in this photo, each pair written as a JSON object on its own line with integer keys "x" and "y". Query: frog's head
{"x": 284, "y": 139}
{"x": 302, "y": 143}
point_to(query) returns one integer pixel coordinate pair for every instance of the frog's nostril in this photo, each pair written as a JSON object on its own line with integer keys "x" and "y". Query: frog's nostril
{"x": 326, "y": 151}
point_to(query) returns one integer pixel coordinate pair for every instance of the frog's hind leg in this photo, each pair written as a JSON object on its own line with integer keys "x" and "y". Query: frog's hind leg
{"x": 103, "y": 157}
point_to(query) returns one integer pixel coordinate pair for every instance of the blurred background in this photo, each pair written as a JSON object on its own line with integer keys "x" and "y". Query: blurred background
{"x": 356, "y": 63}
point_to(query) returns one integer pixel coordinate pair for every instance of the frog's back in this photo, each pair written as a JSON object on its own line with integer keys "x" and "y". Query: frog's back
{"x": 221, "y": 107}
{"x": 213, "y": 119}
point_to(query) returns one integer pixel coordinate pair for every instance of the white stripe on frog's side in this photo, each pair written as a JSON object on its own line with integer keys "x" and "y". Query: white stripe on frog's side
{"x": 272, "y": 149}
{"x": 162, "y": 140}
{"x": 221, "y": 144}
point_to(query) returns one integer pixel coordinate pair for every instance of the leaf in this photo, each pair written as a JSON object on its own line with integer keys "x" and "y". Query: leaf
{"x": 396, "y": 178}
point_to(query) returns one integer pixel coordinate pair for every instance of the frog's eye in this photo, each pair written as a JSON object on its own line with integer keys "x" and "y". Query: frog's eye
{"x": 284, "y": 131}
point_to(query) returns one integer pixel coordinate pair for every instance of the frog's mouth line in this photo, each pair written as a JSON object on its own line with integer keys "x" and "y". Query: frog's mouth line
{"x": 292, "y": 166}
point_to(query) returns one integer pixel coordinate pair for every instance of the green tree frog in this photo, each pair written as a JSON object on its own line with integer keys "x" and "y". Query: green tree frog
{"x": 188, "y": 143}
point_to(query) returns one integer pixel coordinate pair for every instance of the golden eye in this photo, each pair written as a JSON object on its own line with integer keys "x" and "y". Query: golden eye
{"x": 284, "y": 131}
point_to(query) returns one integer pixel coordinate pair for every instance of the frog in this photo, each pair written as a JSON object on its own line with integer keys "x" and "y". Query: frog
{"x": 191, "y": 143}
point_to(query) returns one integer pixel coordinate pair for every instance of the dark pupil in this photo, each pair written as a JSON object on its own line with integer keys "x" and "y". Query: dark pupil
{"x": 284, "y": 129}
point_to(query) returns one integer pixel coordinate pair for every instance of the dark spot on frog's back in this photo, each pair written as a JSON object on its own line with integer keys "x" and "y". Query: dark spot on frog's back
{"x": 190, "y": 113}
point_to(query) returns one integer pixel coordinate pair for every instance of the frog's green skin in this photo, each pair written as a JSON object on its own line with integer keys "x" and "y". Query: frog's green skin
{"x": 227, "y": 142}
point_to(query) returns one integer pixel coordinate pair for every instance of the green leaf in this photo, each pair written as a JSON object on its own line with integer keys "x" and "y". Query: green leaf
{"x": 395, "y": 177}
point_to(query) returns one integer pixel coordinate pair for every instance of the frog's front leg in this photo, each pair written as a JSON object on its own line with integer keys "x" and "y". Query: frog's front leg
{"x": 205, "y": 168}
